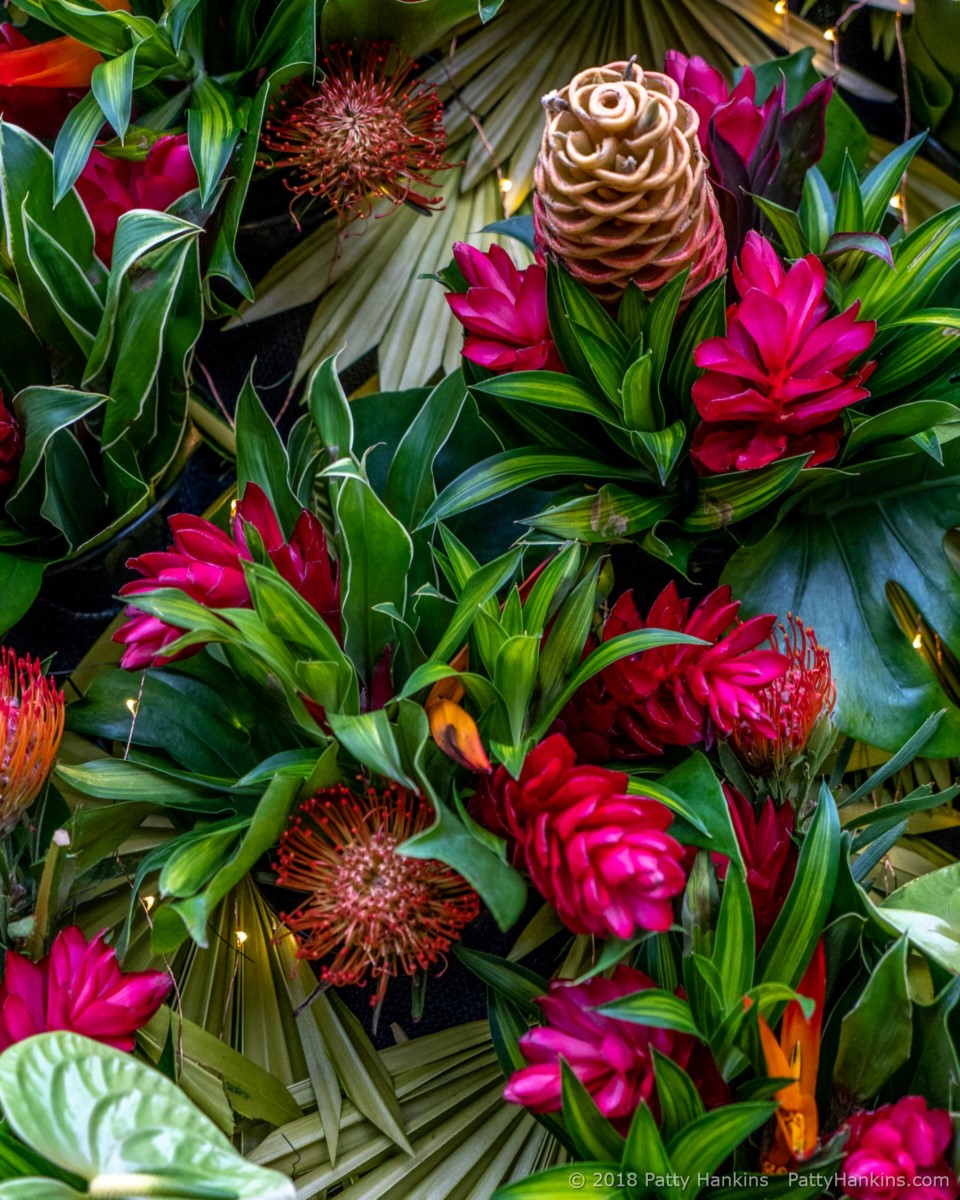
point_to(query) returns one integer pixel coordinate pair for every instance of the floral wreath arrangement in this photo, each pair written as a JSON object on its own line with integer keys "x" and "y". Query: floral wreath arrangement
{"x": 613, "y": 670}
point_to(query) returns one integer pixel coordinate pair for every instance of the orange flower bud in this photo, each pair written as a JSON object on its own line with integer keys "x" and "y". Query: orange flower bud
{"x": 456, "y": 733}
{"x": 31, "y": 725}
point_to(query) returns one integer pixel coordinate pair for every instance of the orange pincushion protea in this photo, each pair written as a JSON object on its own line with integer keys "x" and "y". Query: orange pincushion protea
{"x": 31, "y": 725}
{"x": 371, "y": 911}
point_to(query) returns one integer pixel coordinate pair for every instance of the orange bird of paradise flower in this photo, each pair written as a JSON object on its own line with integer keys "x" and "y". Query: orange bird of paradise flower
{"x": 796, "y": 1056}
{"x": 62, "y": 62}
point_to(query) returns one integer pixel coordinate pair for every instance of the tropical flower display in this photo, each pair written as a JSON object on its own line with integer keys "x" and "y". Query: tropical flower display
{"x": 520, "y": 763}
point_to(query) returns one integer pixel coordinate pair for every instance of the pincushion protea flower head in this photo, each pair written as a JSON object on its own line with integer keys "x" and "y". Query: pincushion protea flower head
{"x": 794, "y": 702}
{"x": 676, "y": 695}
{"x": 31, "y": 725}
{"x": 362, "y": 132}
{"x": 774, "y": 386}
{"x": 370, "y": 911}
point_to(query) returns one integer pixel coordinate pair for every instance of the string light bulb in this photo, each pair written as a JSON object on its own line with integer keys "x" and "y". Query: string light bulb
{"x": 896, "y": 201}
{"x": 148, "y": 902}
{"x": 132, "y": 705}
{"x": 918, "y": 641}
{"x": 506, "y": 185}
{"x": 830, "y": 34}
{"x": 241, "y": 937}
{"x": 780, "y": 8}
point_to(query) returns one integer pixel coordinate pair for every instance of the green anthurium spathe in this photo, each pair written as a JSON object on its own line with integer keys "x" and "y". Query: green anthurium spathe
{"x": 130, "y": 1131}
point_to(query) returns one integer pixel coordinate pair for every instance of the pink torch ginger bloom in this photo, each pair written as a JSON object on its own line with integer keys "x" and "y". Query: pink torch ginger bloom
{"x": 207, "y": 565}
{"x": 769, "y": 855}
{"x": 676, "y": 695}
{"x": 898, "y": 1152}
{"x": 80, "y": 988}
{"x": 504, "y": 312}
{"x": 774, "y": 386}
{"x": 601, "y": 857}
{"x": 613, "y": 1059}
{"x": 110, "y": 187}
{"x": 11, "y": 445}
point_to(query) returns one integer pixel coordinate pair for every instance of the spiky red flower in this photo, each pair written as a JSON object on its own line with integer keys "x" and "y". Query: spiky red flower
{"x": 360, "y": 133}
{"x": 794, "y": 701}
{"x": 31, "y": 726}
{"x": 370, "y": 910}
{"x": 675, "y": 695}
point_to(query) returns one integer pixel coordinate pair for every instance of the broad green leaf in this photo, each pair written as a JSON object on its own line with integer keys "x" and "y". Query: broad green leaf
{"x": 479, "y": 589}
{"x": 377, "y": 554}
{"x": 695, "y": 782}
{"x": 923, "y": 259}
{"x": 817, "y": 211}
{"x": 787, "y": 225}
{"x": 548, "y": 389}
{"x": 213, "y": 126}
{"x": 514, "y": 982}
{"x": 641, "y": 408}
{"x": 883, "y": 181}
{"x": 790, "y": 944}
{"x": 903, "y": 421}
{"x": 124, "y": 781}
{"x": 733, "y": 948}
{"x": 927, "y": 910}
{"x": 876, "y": 1034}
{"x": 700, "y": 1147}
{"x": 112, "y": 85}
{"x": 330, "y": 410}
{"x": 290, "y": 36}
{"x": 705, "y": 318}
{"x": 20, "y": 580}
{"x": 512, "y": 469}
{"x": 125, "y": 1119}
{"x": 680, "y": 1101}
{"x": 661, "y": 449}
{"x": 592, "y": 1133}
{"x": 74, "y": 143}
{"x": 67, "y": 284}
{"x": 371, "y": 739}
{"x": 723, "y": 499}
{"x": 910, "y": 750}
{"x": 656, "y": 1008}
{"x": 417, "y": 28}
{"x": 261, "y": 457}
{"x": 645, "y": 1152}
{"x": 849, "y": 218}
{"x": 612, "y": 513}
{"x": 410, "y": 488}
{"x": 831, "y": 560}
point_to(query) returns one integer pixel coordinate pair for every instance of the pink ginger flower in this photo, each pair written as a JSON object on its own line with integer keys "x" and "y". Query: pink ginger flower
{"x": 774, "y": 386}
{"x": 613, "y": 1059}
{"x": 676, "y": 695}
{"x": 736, "y": 116}
{"x": 898, "y": 1152}
{"x": 207, "y": 564}
{"x": 77, "y": 987}
{"x": 504, "y": 312}
{"x": 109, "y": 187}
{"x": 601, "y": 857}
{"x": 11, "y": 445}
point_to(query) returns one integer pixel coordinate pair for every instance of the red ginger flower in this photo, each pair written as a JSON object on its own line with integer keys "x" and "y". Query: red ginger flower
{"x": 774, "y": 386}
{"x": 898, "y": 1152}
{"x": 80, "y": 988}
{"x": 794, "y": 702}
{"x": 31, "y": 726}
{"x": 602, "y": 858}
{"x": 769, "y": 855}
{"x": 110, "y": 187}
{"x": 613, "y": 1059}
{"x": 207, "y": 564}
{"x": 11, "y": 445}
{"x": 361, "y": 132}
{"x": 675, "y": 695}
{"x": 370, "y": 910}
{"x": 504, "y": 312}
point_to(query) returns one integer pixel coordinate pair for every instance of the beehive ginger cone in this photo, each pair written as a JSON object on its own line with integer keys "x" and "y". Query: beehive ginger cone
{"x": 621, "y": 184}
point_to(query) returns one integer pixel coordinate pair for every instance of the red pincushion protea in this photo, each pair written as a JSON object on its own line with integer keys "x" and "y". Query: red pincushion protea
{"x": 613, "y": 1059}
{"x": 769, "y": 854}
{"x": 601, "y": 857}
{"x": 362, "y": 132}
{"x": 676, "y": 695}
{"x": 794, "y": 702}
{"x": 31, "y": 726}
{"x": 898, "y": 1152}
{"x": 370, "y": 910}
{"x": 77, "y": 987}
{"x": 774, "y": 386}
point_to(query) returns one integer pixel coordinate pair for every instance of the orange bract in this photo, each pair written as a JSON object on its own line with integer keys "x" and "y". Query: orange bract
{"x": 31, "y": 725}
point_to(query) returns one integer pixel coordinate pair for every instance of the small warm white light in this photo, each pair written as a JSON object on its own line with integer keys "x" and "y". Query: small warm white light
{"x": 233, "y": 508}
{"x": 133, "y": 705}
{"x": 241, "y": 937}
{"x": 780, "y": 8}
{"x": 896, "y": 201}
{"x": 148, "y": 902}
{"x": 830, "y": 35}
{"x": 918, "y": 641}
{"x": 506, "y": 185}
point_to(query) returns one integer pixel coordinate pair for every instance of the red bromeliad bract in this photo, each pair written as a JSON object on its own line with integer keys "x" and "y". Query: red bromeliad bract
{"x": 613, "y": 1059}
{"x": 362, "y": 132}
{"x": 899, "y": 1152}
{"x": 31, "y": 726}
{"x": 775, "y": 385}
{"x": 110, "y": 187}
{"x": 676, "y": 695}
{"x": 78, "y": 987}
{"x": 794, "y": 702}
{"x": 370, "y": 911}
{"x": 504, "y": 312}
{"x": 206, "y": 564}
{"x": 601, "y": 857}
{"x": 11, "y": 445}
